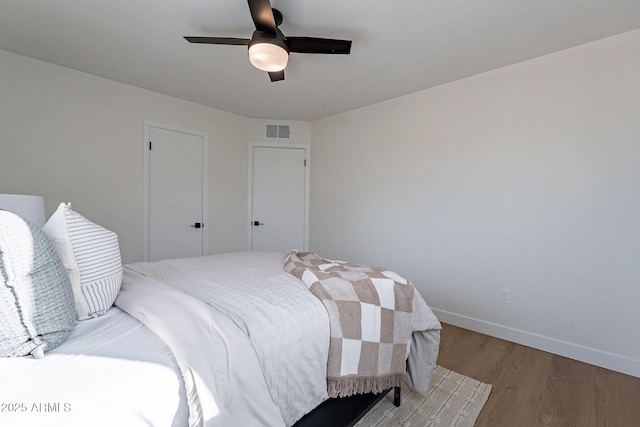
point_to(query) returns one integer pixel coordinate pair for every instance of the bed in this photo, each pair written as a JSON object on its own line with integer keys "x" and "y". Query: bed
{"x": 221, "y": 340}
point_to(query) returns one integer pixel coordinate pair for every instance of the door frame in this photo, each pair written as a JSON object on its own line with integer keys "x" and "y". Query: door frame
{"x": 307, "y": 176}
{"x": 146, "y": 211}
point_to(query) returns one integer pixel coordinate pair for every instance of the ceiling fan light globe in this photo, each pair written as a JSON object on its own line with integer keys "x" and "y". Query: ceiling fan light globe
{"x": 268, "y": 57}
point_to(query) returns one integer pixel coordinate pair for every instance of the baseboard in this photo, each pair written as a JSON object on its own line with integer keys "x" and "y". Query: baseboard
{"x": 592, "y": 356}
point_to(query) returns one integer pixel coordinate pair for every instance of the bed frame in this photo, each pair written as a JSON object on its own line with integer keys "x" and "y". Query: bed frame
{"x": 344, "y": 411}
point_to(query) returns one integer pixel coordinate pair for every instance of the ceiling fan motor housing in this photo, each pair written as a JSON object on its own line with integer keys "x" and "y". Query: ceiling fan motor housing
{"x": 268, "y": 53}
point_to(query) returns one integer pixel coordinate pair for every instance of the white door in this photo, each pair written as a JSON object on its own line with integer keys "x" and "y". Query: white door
{"x": 279, "y": 199}
{"x": 176, "y": 193}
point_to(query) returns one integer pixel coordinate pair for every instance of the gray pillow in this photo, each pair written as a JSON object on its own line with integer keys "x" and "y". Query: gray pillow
{"x": 37, "y": 311}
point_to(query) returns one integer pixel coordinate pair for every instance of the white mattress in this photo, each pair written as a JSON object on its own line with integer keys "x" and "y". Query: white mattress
{"x": 112, "y": 370}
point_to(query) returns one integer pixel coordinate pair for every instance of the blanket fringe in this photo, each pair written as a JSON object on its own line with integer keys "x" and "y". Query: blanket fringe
{"x": 342, "y": 387}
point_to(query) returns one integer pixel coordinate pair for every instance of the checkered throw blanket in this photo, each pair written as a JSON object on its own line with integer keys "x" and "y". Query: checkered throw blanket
{"x": 370, "y": 313}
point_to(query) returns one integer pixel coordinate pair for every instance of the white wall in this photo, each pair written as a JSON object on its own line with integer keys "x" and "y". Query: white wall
{"x": 71, "y": 136}
{"x": 525, "y": 178}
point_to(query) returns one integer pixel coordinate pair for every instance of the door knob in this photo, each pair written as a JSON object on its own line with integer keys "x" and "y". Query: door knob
{"x": 257, "y": 223}
{"x": 198, "y": 225}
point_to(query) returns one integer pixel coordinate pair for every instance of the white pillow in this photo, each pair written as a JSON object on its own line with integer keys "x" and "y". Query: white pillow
{"x": 91, "y": 256}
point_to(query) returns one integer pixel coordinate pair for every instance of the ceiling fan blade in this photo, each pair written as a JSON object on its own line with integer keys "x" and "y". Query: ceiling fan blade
{"x": 218, "y": 40}
{"x": 262, "y": 16}
{"x": 318, "y": 45}
{"x": 276, "y": 76}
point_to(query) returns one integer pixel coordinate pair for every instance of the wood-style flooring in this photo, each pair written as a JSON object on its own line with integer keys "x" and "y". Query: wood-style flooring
{"x": 532, "y": 388}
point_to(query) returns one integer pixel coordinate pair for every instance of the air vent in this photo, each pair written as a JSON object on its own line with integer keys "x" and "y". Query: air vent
{"x": 278, "y": 131}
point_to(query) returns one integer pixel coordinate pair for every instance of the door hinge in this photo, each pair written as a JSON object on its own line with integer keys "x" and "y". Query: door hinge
{"x": 305, "y": 162}
{"x": 149, "y": 145}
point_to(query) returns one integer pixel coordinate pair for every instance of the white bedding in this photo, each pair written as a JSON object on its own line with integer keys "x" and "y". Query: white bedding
{"x": 236, "y": 341}
{"x": 112, "y": 370}
{"x": 287, "y": 325}
{"x": 223, "y": 378}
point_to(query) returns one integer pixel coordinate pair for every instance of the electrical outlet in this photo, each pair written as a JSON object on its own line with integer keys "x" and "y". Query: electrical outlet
{"x": 505, "y": 296}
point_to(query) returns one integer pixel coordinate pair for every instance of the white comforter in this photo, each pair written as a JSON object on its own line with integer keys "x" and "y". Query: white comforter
{"x": 287, "y": 326}
{"x": 222, "y": 375}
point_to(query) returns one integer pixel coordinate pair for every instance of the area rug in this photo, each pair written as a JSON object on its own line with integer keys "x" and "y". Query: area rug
{"x": 452, "y": 400}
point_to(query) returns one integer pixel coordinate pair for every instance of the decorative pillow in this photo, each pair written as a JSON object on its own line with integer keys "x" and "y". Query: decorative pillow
{"x": 91, "y": 255}
{"x": 37, "y": 310}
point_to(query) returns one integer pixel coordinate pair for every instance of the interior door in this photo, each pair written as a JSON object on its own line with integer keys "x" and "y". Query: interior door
{"x": 279, "y": 215}
{"x": 177, "y": 200}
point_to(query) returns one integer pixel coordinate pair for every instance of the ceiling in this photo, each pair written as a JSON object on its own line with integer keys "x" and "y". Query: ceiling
{"x": 398, "y": 48}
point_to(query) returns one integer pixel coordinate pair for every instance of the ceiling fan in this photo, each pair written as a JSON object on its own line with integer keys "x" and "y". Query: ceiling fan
{"x": 268, "y": 48}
